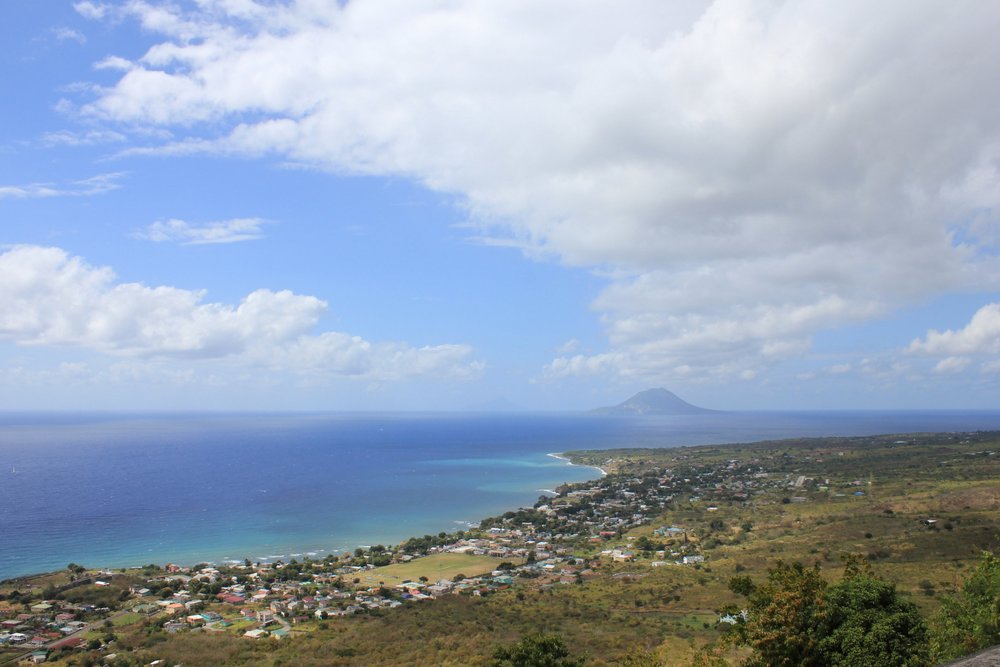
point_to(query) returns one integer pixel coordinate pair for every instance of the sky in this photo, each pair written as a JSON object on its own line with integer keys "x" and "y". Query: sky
{"x": 440, "y": 205}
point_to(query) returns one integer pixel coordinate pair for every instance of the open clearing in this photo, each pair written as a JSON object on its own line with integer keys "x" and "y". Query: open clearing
{"x": 435, "y": 567}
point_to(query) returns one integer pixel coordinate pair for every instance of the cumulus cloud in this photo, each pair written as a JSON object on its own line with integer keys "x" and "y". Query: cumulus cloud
{"x": 981, "y": 336}
{"x": 90, "y": 10}
{"x": 226, "y": 231}
{"x": 48, "y": 297}
{"x": 745, "y": 173}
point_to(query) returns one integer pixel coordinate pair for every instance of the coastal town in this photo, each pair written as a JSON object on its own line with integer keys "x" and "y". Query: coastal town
{"x": 674, "y": 509}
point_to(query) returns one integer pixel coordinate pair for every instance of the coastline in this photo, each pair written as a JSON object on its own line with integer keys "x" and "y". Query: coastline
{"x": 604, "y": 473}
{"x": 290, "y": 505}
{"x": 282, "y": 554}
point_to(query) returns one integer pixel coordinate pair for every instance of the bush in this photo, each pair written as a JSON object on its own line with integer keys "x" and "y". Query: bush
{"x": 970, "y": 620}
{"x": 535, "y": 651}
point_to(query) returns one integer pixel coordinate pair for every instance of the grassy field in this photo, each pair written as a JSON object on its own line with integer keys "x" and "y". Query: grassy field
{"x": 127, "y": 619}
{"x": 434, "y": 567}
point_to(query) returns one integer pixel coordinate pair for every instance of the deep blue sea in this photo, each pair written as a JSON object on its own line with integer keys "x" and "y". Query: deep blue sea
{"x": 122, "y": 490}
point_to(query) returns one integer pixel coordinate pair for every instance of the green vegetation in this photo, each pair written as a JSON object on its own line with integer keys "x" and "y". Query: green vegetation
{"x": 796, "y": 619}
{"x": 536, "y": 651}
{"x": 970, "y": 620}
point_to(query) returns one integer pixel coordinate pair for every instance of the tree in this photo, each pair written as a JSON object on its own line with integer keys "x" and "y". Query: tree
{"x": 796, "y": 619}
{"x": 781, "y": 616}
{"x": 970, "y": 620}
{"x": 536, "y": 650}
{"x": 865, "y": 623}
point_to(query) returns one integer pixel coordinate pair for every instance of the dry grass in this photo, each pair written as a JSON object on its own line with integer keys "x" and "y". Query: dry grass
{"x": 435, "y": 567}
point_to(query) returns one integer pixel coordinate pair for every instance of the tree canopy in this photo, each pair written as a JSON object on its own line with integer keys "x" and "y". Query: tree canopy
{"x": 797, "y": 619}
{"x": 536, "y": 650}
{"x": 970, "y": 620}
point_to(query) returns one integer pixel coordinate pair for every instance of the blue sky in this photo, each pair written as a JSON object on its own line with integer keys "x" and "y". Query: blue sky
{"x": 249, "y": 204}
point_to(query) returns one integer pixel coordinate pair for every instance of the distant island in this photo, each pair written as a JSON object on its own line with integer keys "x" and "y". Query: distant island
{"x": 653, "y": 402}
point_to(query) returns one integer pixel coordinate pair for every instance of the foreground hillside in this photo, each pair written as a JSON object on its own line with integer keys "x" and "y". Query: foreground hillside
{"x": 634, "y": 568}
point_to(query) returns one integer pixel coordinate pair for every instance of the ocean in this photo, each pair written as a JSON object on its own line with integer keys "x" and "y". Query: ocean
{"x": 121, "y": 490}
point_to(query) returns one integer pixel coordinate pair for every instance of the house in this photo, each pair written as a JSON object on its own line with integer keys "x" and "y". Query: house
{"x": 258, "y": 633}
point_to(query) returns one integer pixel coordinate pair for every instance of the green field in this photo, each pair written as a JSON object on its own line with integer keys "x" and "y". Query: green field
{"x": 435, "y": 567}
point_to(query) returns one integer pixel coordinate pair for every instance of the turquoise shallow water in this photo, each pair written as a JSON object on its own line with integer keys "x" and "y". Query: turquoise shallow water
{"x": 121, "y": 490}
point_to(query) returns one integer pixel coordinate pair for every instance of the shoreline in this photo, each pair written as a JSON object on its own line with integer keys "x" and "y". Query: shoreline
{"x": 604, "y": 473}
{"x": 293, "y": 554}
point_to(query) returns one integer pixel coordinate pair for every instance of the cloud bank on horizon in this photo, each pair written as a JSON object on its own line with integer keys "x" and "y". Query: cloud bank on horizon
{"x": 744, "y": 176}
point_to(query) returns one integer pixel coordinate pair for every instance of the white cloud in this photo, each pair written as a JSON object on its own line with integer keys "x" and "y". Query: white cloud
{"x": 569, "y": 347}
{"x": 952, "y": 365}
{"x": 91, "y": 10}
{"x": 89, "y": 138}
{"x": 981, "y": 336}
{"x": 226, "y": 231}
{"x": 68, "y": 34}
{"x": 745, "y": 173}
{"x": 50, "y": 298}
{"x": 113, "y": 63}
{"x": 94, "y": 185}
